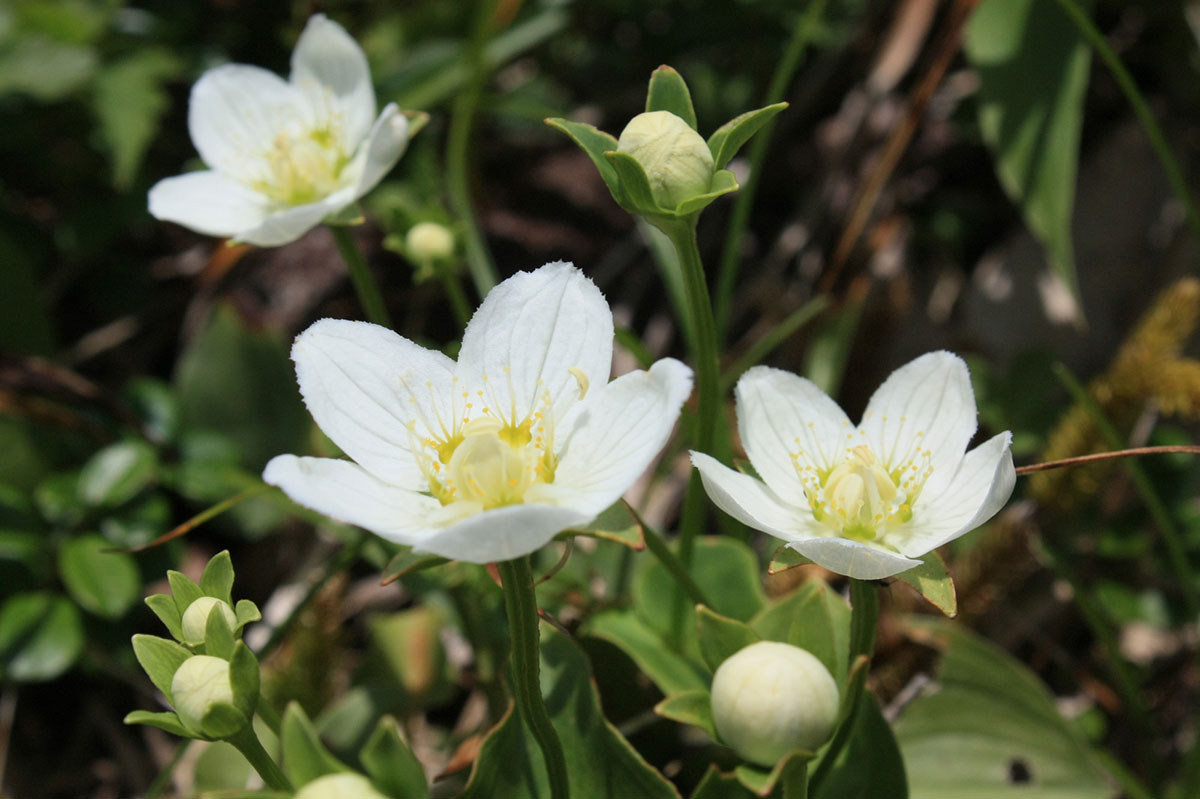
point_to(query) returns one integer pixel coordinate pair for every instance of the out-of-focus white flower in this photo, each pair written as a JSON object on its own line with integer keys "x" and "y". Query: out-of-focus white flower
{"x": 864, "y": 501}
{"x": 339, "y": 786}
{"x": 486, "y": 458}
{"x": 772, "y": 698}
{"x": 199, "y": 683}
{"x": 283, "y": 155}
{"x": 427, "y": 242}
{"x": 195, "y": 619}
{"x": 676, "y": 159}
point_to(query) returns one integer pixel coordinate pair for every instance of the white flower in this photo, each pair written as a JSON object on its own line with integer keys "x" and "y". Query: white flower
{"x": 484, "y": 459}
{"x": 339, "y": 786}
{"x": 771, "y": 698}
{"x": 284, "y": 155}
{"x": 864, "y": 501}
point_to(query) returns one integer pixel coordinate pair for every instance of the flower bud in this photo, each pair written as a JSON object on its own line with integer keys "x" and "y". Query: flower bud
{"x": 201, "y": 682}
{"x": 771, "y": 698}
{"x": 429, "y": 241}
{"x": 339, "y": 786}
{"x": 676, "y": 160}
{"x": 195, "y": 618}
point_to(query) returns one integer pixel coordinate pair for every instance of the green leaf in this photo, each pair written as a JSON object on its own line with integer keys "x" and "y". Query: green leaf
{"x": 595, "y": 143}
{"x": 870, "y": 763}
{"x": 129, "y": 98}
{"x": 723, "y": 182}
{"x": 164, "y": 607}
{"x": 217, "y": 578}
{"x": 164, "y": 721}
{"x": 1033, "y": 70}
{"x": 101, "y": 581}
{"x": 813, "y": 618}
{"x": 160, "y": 659}
{"x": 730, "y": 137}
{"x": 720, "y": 636}
{"x": 716, "y": 785}
{"x": 727, "y": 571}
{"x": 690, "y": 707}
{"x": 184, "y": 589}
{"x": 41, "y": 635}
{"x": 600, "y": 762}
{"x": 617, "y": 523}
{"x": 391, "y": 765}
{"x": 988, "y": 716}
{"x": 304, "y": 756}
{"x": 44, "y": 69}
{"x": 408, "y": 562}
{"x": 932, "y": 581}
{"x": 671, "y": 672}
{"x": 58, "y": 501}
{"x": 117, "y": 473}
{"x": 246, "y": 612}
{"x": 635, "y": 186}
{"x": 669, "y": 92}
{"x": 138, "y": 522}
{"x": 155, "y": 404}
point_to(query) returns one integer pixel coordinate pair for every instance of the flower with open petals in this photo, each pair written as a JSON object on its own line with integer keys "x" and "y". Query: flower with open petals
{"x": 283, "y": 155}
{"x": 487, "y": 458}
{"x": 864, "y": 501}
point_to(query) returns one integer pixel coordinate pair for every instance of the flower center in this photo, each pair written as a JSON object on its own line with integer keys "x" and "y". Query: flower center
{"x": 860, "y": 497}
{"x": 302, "y": 166}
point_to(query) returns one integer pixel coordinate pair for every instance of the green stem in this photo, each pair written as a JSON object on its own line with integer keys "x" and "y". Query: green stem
{"x": 458, "y": 148}
{"x": 1141, "y": 108}
{"x": 743, "y": 201}
{"x": 773, "y": 338}
{"x": 457, "y": 297}
{"x": 270, "y": 716}
{"x": 360, "y": 276}
{"x": 163, "y": 779}
{"x": 248, "y": 744}
{"x": 795, "y": 779}
{"x": 674, "y": 566}
{"x": 864, "y": 618}
{"x": 521, "y": 605}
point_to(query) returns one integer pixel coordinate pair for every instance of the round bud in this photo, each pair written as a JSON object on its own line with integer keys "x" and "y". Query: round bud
{"x": 195, "y": 618}
{"x": 201, "y": 682}
{"x": 339, "y": 786}
{"x": 676, "y": 159}
{"x": 771, "y": 698}
{"x": 429, "y": 241}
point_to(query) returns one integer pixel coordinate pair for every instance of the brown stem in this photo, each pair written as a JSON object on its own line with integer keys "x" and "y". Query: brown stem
{"x": 1108, "y": 456}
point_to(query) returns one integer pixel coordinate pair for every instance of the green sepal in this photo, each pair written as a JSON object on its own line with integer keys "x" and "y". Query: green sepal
{"x": 218, "y": 636}
{"x": 349, "y": 216}
{"x": 244, "y": 678}
{"x": 305, "y": 758}
{"x": 160, "y": 659}
{"x": 217, "y": 579}
{"x": 720, "y": 636}
{"x": 184, "y": 589}
{"x": 933, "y": 581}
{"x": 785, "y": 558}
{"x": 723, "y": 182}
{"x": 416, "y": 121}
{"x": 617, "y": 523}
{"x": 164, "y": 607}
{"x": 595, "y": 143}
{"x": 407, "y": 562}
{"x": 761, "y": 781}
{"x": 246, "y": 612}
{"x": 391, "y": 765}
{"x": 168, "y": 722}
{"x": 635, "y": 186}
{"x": 717, "y": 785}
{"x": 669, "y": 92}
{"x": 690, "y": 707}
{"x": 222, "y": 720}
{"x": 729, "y": 138}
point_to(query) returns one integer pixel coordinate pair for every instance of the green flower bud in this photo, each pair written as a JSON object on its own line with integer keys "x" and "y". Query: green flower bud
{"x": 201, "y": 682}
{"x": 195, "y": 618}
{"x": 339, "y": 786}
{"x": 676, "y": 160}
{"x": 429, "y": 241}
{"x": 771, "y": 698}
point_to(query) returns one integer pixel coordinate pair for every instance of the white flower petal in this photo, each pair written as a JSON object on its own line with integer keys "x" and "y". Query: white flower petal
{"x": 502, "y": 533}
{"x": 751, "y": 502}
{"x": 539, "y": 326}
{"x": 331, "y": 70}
{"x": 364, "y": 385}
{"x": 620, "y": 431}
{"x": 853, "y": 559}
{"x": 928, "y": 403}
{"x": 285, "y": 225}
{"x": 781, "y": 414}
{"x": 380, "y": 152}
{"x": 207, "y": 202}
{"x": 978, "y": 490}
{"x": 235, "y": 113}
{"x": 346, "y": 492}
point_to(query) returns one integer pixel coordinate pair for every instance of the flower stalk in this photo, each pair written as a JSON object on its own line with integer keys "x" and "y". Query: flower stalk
{"x": 360, "y": 275}
{"x": 520, "y": 604}
{"x": 864, "y": 618}
{"x": 248, "y": 744}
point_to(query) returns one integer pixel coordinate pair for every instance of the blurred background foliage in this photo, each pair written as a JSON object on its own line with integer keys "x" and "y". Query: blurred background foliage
{"x": 928, "y": 187}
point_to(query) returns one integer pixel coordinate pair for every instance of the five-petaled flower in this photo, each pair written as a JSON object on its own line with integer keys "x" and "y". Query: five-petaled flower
{"x": 487, "y": 458}
{"x": 863, "y": 501}
{"x": 283, "y": 155}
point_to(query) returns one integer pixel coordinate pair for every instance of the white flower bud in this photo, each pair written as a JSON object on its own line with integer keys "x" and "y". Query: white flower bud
{"x": 429, "y": 241}
{"x": 676, "y": 159}
{"x": 195, "y": 618}
{"x": 771, "y": 698}
{"x": 339, "y": 786}
{"x": 201, "y": 682}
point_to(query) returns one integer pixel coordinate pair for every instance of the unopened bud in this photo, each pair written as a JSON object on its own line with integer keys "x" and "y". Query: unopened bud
{"x": 201, "y": 682}
{"x": 195, "y": 618}
{"x": 339, "y": 786}
{"x": 771, "y": 698}
{"x": 675, "y": 158}
{"x": 429, "y": 241}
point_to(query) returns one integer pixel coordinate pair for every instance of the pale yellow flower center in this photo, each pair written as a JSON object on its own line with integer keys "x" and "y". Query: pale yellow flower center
{"x": 486, "y": 454}
{"x": 862, "y": 495}
{"x": 302, "y": 166}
